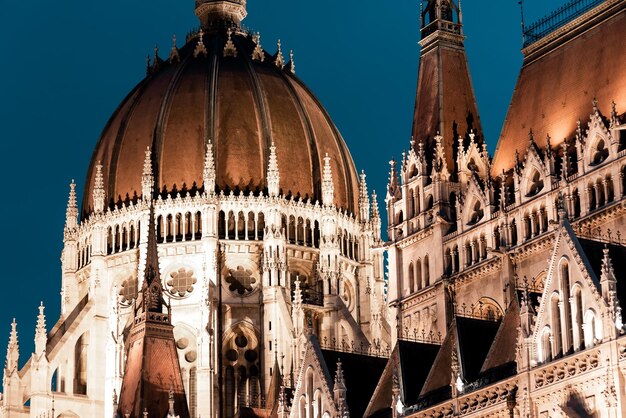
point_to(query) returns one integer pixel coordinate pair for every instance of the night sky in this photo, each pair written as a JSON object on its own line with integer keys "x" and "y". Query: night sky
{"x": 66, "y": 65}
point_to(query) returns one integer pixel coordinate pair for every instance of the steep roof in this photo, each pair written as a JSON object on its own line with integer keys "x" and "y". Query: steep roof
{"x": 561, "y": 75}
{"x": 412, "y": 361}
{"x": 361, "y": 376}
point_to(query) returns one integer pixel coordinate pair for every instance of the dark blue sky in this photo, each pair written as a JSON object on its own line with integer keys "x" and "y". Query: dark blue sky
{"x": 67, "y": 64}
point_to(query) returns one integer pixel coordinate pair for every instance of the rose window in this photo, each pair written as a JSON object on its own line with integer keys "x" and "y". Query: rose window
{"x": 128, "y": 291}
{"x": 240, "y": 280}
{"x": 180, "y": 283}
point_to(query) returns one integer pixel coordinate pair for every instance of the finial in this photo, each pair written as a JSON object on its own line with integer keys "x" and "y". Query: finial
{"x": 292, "y": 63}
{"x": 174, "y": 56}
{"x": 229, "y": 48}
{"x": 148, "y": 66}
{"x": 364, "y": 199}
{"x": 200, "y": 48}
{"x": 98, "y": 190}
{"x": 531, "y": 136}
{"x": 596, "y": 110}
{"x": 614, "y": 119}
{"x": 328, "y": 189}
{"x": 147, "y": 179}
{"x": 257, "y": 54}
{"x": 13, "y": 350}
{"x": 279, "y": 61}
{"x": 71, "y": 213}
{"x": 145, "y": 413}
{"x": 273, "y": 174}
{"x": 171, "y": 401}
{"x": 156, "y": 60}
{"x": 40, "y": 332}
{"x": 209, "y": 170}
{"x": 375, "y": 211}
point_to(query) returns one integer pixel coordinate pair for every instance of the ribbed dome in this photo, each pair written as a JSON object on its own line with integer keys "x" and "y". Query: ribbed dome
{"x": 239, "y": 103}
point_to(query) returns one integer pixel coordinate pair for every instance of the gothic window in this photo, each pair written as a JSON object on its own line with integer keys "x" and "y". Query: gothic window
{"x": 556, "y": 325}
{"x": 242, "y": 371}
{"x": 409, "y": 284}
{"x": 477, "y": 214}
{"x": 180, "y": 283}
{"x": 565, "y": 287}
{"x": 240, "y": 281}
{"x": 578, "y": 317}
{"x": 546, "y": 350}
{"x": 426, "y": 272}
{"x": 600, "y": 154}
{"x": 535, "y": 185}
{"x": 128, "y": 291}
{"x": 80, "y": 364}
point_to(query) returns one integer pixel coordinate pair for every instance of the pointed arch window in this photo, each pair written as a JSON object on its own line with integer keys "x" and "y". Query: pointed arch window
{"x": 535, "y": 185}
{"x": 600, "y": 153}
{"x": 477, "y": 214}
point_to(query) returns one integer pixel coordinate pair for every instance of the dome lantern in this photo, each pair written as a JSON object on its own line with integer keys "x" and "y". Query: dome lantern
{"x": 212, "y": 12}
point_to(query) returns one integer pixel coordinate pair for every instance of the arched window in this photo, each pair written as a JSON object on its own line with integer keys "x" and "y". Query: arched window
{"x": 555, "y": 320}
{"x": 546, "y": 349}
{"x": 565, "y": 289}
{"x": 418, "y": 275}
{"x": 426, "y": 272}
{"x": 591, "y": 331}
{"x": 576, "y": 199}
{"x": 477, "y": 214}
{"x": 409, "y": 289}
{"x": 535, "y": 185}
{"x": 411, "y": 204}
{"x": 578, "y": 319}
{"x": 600, "y": 154}
{"x": 80, "y": 364}
{"x": 221, "y": 225}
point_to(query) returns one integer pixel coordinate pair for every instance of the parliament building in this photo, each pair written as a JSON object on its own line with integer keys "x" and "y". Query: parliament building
{"x": 228, "y": 259}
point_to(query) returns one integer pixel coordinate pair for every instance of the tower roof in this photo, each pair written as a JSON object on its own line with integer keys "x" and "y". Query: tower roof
{"x": 152, "y": 375}
{"x": 445, "y": 102}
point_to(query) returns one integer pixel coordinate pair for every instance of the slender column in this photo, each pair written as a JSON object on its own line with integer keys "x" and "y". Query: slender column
{"x": 256, "y": 226}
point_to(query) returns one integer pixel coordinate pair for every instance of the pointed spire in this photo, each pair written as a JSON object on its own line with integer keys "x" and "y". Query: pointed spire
{"x": 340, "y": 392}
{"x": 147, "y": 179}
{"x": 283, "y": 405}
{"x": 292, "y": 63}
{"x": 258, "y": 54}
{"x": 41, "y": 334}
{"x": 280, "y": 60}
{"x": 565, "y": 162}
{"x": 71, "y": 213}
{"x": 200, "y": 48}
{"x": 229, "y": 48}
{"x": 98, "y": 190}
{"x": 364, "y": 199}
{"x": 375, "y": 210}
{"x": 13, "y": 351}
{"x": 174, "y": 56}
{"x": 297, "y": 296}
{"x": 152, "y": 290}
{"x": 614, "y": 119}
{"x": 608, "y": 283}
{"x": 328, "y": 189}
{"x": 456, "y": 382}
{"x": 156, "y": 60}
{"x": 208, "y": 175}
{"x": 596, "y": 109}
{"x": 273, "y": 174}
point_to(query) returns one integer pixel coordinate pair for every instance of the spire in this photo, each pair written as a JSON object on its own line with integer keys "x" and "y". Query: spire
{"x": 283, "y": 405}
{"x": 614, "y": 118}
{"x": 13, "y": 351}
{"x": 98, "y": 190}
{"x": 328, "y": 189}
{"x": 280, "y": 60}
{"x": 364, "y": 199}
{"x": 41, "y": 334}
{"x": 297, "y": 296}
{"x": 445, "y": 100}
{"x": 225, "y": 12}
{"x": 174, "y": 56}
{"x": 208, "y": 175}
{"x": 200, "y": 48}
{"x": 375, "y": 211}
{"x": 273, "y": 175}
{"x": 147, "y": 179}
{"x": 71, "y": 213}
{"x": 455, "y": 368}
{"x": 152, "y": 290}
{"x": 257, "y": 54}
{"x": 340, "y": 392}
{"x": 608, "y": 283}
{"x": 152, "y": 360}
{"x": 229, "y": 48}
{"x": 292, "y": 63}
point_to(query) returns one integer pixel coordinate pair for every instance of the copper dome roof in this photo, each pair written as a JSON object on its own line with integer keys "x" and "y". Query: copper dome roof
{"x": 242, "y": 105}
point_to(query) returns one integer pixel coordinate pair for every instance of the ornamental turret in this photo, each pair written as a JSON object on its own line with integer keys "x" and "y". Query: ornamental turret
{"x": 208, "y": 174}
{"x": 13, "y": 351}
{"x": 98, "y": 190}
{"x": 147, "y": 179}
{"x": 71, "y": 213}
{"x": 41, "y": 335}
{"x": 273, "y": 175}
{"x": 364, "y": 199}
{"x": 328, "y": 189}
{"x": 340, "y": 390}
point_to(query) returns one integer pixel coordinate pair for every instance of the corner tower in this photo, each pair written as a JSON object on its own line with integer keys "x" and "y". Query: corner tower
{"x": 445, "y": 101}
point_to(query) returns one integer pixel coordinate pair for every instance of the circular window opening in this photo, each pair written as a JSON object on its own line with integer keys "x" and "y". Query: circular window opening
{"x": 231, "y": 355}
{"x": 241, "y": 341}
